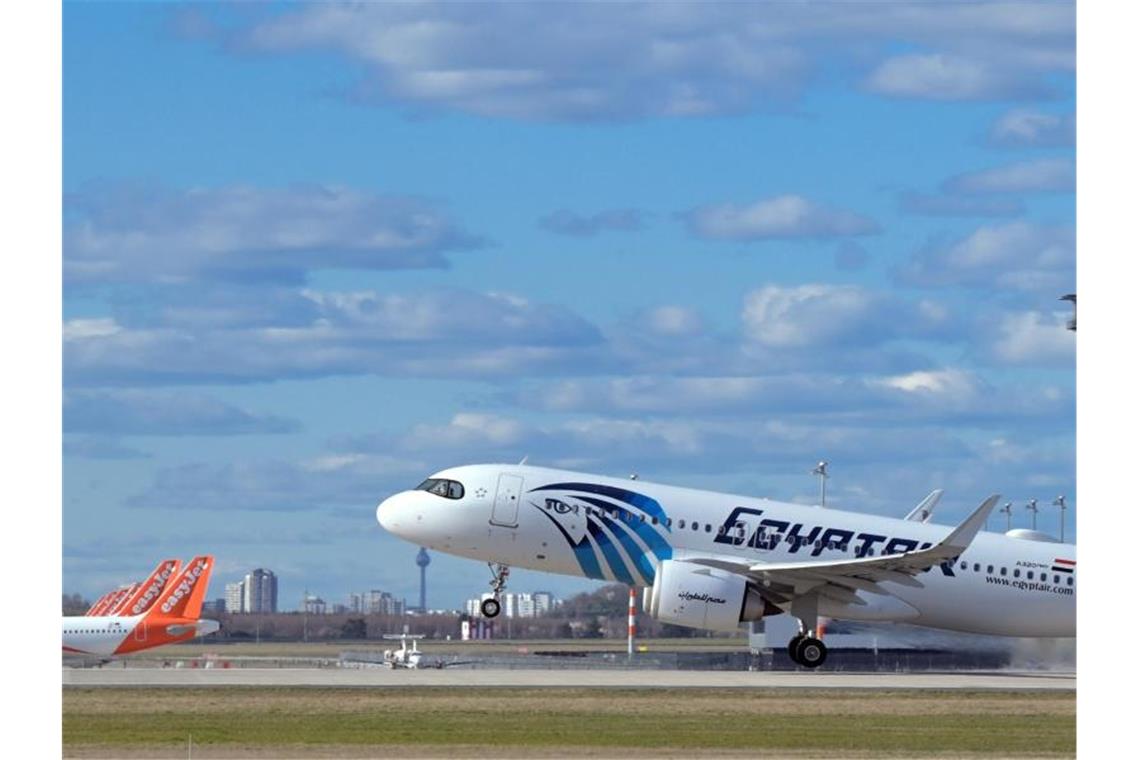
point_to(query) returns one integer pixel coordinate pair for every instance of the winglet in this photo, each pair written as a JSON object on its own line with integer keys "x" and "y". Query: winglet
{"x": 961, "y": 537}
{"x": 925, "y": 508}
{"x": 183, "y": 596}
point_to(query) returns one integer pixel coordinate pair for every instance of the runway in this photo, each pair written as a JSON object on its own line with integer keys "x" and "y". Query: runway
{"x": 608, "y": 678}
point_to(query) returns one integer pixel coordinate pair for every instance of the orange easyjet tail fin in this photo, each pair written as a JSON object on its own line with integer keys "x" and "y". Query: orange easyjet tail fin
{"x": 109, "y": 600}
{"x": 182, "y": 596}
{"x": 121, "y": 599}
{"x": 100, "y": 604}
{"x": 147, "y": 592}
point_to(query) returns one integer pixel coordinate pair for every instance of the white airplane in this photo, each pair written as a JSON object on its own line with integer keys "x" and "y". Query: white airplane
{"x": 165, "y": 612}
{"x": 403, "y": 657}
{"x": 713, "y": 560}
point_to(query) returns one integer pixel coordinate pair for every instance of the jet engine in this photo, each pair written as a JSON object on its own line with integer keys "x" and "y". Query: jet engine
{"x": 692, "y": 595}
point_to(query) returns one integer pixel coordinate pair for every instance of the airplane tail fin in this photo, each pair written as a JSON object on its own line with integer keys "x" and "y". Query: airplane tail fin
{"x": 182, "y": 596}
{"x": 125, "y": 593}
{"x": 99, "y": 605}
{"x": 149, "y": 590}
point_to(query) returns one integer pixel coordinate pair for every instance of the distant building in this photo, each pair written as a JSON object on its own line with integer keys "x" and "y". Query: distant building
{"x": 516, "y": 605}
{"x": 214, "y": 605}
{"x": 235, "y": 596}
{"x": 383, "y": 603}
{"x": 543, "y": 602}
{"x": 314, "y": 605}
{"x": 260, "y": 592}
{"x": 356, "y": 603}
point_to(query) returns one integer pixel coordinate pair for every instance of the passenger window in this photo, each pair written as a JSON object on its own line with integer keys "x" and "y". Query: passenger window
{"x": 1003, "y": 571}
{"x": 680, "y": 523}
{"x": 654, "y": 520}
{"x": 1056, "y": 579}
{"x": 1070, "y": 580}
{"x": 720, "y": 531}
{"x": 1029, "y": 575}
{"x": 1016, "y": 573}
{"x": 696, "y": 525}
{"x": 708, "y": 528}
{"x": 963, "y": 566}
{"x": 977, "y": 567}
{"x": 669, "y": 522}
{"x": 990, "y": 569}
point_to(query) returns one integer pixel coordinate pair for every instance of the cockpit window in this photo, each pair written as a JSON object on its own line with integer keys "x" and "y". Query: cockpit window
{"x": 448, "y": 489}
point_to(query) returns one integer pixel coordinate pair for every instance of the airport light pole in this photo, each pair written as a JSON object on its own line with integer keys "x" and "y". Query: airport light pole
{"x": 821, "y": 471}
{"x": 1060, "y": 502}
{"x": 1007, "y": 510}
{"x": 1032, "y": 507}
{"x": 632, "y": 619}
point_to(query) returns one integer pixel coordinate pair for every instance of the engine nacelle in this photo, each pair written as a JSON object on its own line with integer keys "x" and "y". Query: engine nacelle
{"x": 704, "y": 597}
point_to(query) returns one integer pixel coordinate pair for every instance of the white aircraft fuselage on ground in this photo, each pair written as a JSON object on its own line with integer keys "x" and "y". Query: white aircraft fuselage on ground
{"x": 712, "y": 560}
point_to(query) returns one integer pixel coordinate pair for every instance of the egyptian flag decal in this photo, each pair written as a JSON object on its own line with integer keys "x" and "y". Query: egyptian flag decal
{"x": 1064, "y": 565}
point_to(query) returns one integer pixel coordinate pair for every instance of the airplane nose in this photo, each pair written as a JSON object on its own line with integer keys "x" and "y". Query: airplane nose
{"x": 386, "y": 513}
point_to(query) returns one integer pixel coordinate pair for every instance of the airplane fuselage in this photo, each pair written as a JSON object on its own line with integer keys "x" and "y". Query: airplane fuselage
{"x": 115, "y": 635}
{"x": 621, "y": 530}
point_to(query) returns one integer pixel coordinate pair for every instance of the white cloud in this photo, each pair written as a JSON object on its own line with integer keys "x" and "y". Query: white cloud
{"x": 80, "y": 329}
{"x": 1018, "y": 255}
{"x": 824, "y": 315}
{"x": 673, "y": 321}
{"x": 784, "y": 216}
{"x": 940, "y": 76}
{"x": 132, "y": 233}
{"x": 945, "y": 382}
{"x": 621, "y": 61}
{"x": 145, "y": 412}
{"x": 1041, "y": 175}
{"x": 1033, "y": 129}
{"x": 438, "y": 333}
{"x": 1033, "y": 339}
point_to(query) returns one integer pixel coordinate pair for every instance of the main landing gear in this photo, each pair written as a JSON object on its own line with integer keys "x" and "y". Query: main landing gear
{"x": 804, "y": 648}
{"x": 491, "y": 607}
{"x": 807, "y": 651}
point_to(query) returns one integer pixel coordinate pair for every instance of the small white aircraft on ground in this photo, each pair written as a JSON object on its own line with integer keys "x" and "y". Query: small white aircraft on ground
{"x": 403, "y": 657}
{"x": 713, "y": 560}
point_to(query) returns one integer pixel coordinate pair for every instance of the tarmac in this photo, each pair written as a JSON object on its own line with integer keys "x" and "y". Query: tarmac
{"x": 112, "y": 676}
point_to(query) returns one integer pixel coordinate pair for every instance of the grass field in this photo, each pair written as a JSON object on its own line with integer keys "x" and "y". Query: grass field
{"x": 426, "y": 722}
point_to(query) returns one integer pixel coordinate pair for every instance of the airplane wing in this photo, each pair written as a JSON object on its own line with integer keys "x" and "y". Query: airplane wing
{"x": 925, "y": 508}
{"x": 840, "y": 579}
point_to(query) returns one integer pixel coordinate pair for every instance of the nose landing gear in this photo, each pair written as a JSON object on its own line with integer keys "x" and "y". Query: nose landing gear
{"x": 491, "y": 606}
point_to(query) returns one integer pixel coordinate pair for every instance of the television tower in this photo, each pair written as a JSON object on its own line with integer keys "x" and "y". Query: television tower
{"x": 423, "y": 560}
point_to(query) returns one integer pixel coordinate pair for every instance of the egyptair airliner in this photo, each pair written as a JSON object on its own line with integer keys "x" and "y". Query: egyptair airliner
{"x": 714, "y": 560}
{"x": 163, "y": 610}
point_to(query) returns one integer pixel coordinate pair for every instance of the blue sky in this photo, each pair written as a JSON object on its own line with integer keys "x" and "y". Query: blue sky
{"x": 314, "y": 253}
